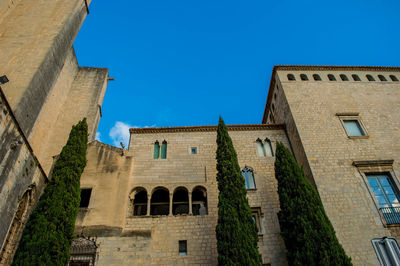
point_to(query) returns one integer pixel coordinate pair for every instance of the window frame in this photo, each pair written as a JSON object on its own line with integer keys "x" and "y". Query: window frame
{"x": 256, "y": 212}
{"x": 392, "y": 252}
{"x": 185, "y": 251}
{"x": 352, "y": 117}
{"x": 90, "y": 197}
{"x": 248, "y": 169}
{"x": 381, "y": 167}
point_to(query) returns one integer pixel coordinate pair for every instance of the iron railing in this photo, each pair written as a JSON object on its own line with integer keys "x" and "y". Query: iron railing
{"x": 391, "y": 214}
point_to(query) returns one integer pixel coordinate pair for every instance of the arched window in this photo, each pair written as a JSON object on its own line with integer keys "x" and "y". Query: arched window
{"x": 140, "y": 202}
{"x": 248, "y": 175}
{"x": 382, "y": 78}
{"x": 164, "y": 150}
{"x": 156, "y": 150}
{"x": 393, "y": 78}
{"x": 317, "y": 77}
{"x": 160, "y": 202}
{"x": 16, "y": 227}
{"x": 370, "y": 78}
{"x": 291, "y": 77}
{"x": 344, "y": 77}
{"x": 180, "y": 201}
{"x": 331, "y": 77}
{"x": 260, "y": 148}
{"x": 303, "y": 77}
{"x": 355, "y": 77}
{"x": 268, "y": 148}
{"x": 199, "y": 201}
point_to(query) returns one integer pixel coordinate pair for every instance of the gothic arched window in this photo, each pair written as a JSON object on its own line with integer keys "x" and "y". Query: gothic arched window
{"x": 156, "y": 150}
{"x": 248, "y": 175}
{"x": 268, "y": 148}
{"x": 164, "y": 150}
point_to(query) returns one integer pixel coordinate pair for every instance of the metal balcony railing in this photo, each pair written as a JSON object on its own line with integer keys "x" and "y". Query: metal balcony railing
{"x": 391, "y": 214}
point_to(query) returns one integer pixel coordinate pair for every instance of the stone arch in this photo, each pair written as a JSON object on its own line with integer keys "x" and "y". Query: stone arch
{"x": 199, "y": 201}
{"x": 17, "y": 225}
{"x": 180, "y": 201}
{"x": 159, "y": 204}
{"x": 138, "y": 197}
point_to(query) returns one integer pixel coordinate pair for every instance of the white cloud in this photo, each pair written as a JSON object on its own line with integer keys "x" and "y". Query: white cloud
{"x": 120, "y": 133}
{"x": 98, "y": 136}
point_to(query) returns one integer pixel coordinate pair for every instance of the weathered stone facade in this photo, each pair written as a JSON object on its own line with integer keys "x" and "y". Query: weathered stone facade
{"x": 312, "y": 111}
{"x": 153, "y": 239}
{"x": 46, "y": 94}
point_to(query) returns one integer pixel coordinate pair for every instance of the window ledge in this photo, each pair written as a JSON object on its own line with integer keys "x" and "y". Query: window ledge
{"x": 358, "y": 137}
{"x": 251, "y": 189}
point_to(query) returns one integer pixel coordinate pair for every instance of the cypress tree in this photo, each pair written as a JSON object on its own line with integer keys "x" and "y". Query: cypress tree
{"x": 236, "y": 231}
{"x": 308, "y": 234}
{"x": 48, "y": 234}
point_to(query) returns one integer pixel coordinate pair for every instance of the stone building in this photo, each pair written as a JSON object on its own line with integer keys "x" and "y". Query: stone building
{"x": 156, "y": 202}
{"x": 43, "y": 93}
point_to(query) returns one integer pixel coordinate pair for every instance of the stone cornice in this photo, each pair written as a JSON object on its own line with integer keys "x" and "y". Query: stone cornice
{"x": 316, "y": 68}
{"x": 326, "y": 68}
{"x": 204, "y": 128}
{"x": 372, "y": 163}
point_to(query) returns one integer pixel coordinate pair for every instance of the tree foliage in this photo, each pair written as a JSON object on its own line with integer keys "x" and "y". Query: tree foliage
{"x": 308, "y": 234}
{"x": 236, "y": 231}
{"x": 48, "y": 234}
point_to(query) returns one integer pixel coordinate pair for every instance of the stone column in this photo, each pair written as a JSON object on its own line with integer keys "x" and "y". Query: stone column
{"x": 148, "y": 204}
{"x": 170, "y": 204}
{"x": 190, "y": 204}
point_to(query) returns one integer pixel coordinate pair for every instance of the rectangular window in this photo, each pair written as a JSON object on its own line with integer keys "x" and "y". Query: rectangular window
{"x": 353, "y": 128}
{"x": 164, "y": 150}
{"x": 387, "y": 250}
{"x": 85, "y": 197}
{"x": 352, "y": 125}
{"x": 386, "y": 196}
{"x": 193, "y": 150}
{"x": 256, "y": 215}
{"x": 182, "y": 247}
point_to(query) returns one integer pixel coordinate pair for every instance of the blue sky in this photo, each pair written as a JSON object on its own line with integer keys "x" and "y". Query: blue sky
{"x": 184, "y": 63}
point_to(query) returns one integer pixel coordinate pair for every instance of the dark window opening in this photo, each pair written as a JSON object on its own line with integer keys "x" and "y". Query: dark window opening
{"x": 331, "y": 77}
{"x": 344, "y": 77}
{"x": 199, "y": 201}
{"x": 355, "y": 77}
{"x": 160, "y": 202}
{"x": 317, "y": 77}
{"x": 140, "y": 203}
{"x": 291, "y": 77}
{"x": 382, "y": 78}
{"x": 182, "y": 247}
{"x": 303, "y": 77}
{"x": 370, "y": 78}
{"x": 85, "y": 197}
{"x": 393, "y": 78}
{"x": 180, "y": 202}
{"x": 193, "y": 150}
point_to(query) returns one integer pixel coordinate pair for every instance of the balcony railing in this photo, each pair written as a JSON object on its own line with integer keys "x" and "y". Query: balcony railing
{"x": 391, "y": 214}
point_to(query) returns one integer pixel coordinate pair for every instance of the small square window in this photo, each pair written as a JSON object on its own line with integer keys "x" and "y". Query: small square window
{"x": 353, "y": 125}
{"x": 353, "y": 128}
{"x": 85, "y": 197}
{"x": 193, "y": 150}
{"x": 182, "y": 247}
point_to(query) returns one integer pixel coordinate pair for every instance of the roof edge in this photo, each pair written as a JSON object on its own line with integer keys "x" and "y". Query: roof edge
{"x": 326, "y": 67}
{"x": 204, "y": 128}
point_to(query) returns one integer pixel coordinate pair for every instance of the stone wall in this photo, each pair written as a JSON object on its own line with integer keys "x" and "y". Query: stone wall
{"x": 22, "y": 181}
{"x": 331, "y": 154}
{"x": 114, "y": 179}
